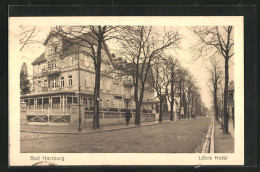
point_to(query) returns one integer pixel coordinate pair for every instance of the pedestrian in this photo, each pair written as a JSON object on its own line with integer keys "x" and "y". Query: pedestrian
{"x": 182, "y": 113}
{"x": 128, "y": 115}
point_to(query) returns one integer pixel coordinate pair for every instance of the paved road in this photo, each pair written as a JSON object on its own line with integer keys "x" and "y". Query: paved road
{"x": 177, "y": 137}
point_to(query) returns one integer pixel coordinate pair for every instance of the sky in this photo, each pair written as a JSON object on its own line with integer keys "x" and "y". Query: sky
{"x": 197, "y": 68}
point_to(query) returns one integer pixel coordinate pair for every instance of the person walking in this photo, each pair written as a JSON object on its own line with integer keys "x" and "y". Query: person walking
{"x": 128, "y": 115}
{"x": 182, "y": 113}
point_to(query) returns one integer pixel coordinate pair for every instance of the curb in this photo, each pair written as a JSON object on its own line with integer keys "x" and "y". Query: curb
{"x": 208, "y": 145}
{"x": 96, "y": 131}
{"x": 212, "y": 139}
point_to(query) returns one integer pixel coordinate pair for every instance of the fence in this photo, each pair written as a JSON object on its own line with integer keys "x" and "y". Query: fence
{"x": 115, "y": 117}
{"x": 48, "y": 116}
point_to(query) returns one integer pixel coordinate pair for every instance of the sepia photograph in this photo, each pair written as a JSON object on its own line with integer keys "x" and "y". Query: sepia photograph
{"x": 126, "y": 91}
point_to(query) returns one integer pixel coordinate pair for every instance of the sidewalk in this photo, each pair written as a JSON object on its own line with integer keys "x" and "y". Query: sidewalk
{"x": 73, "y": 129}
{"x": 231, "y": 128}
{"x": 224, "y": 143}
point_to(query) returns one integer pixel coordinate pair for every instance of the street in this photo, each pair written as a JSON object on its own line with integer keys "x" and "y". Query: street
{"x": 178, "y": 137}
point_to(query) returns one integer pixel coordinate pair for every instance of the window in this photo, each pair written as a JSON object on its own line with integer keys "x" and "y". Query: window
{"x": 231, "y": 96}
{"x": 132, "y": 105}
{"x": 54, "y": 83}
{"x": 45, "y": 83}
{"x": 70, "y": 80}
{"x": 108, "y": 104}
{"x": 100, "y": 103}
{"x": 75, "y": 100}
{"x": 62, "y": 81}
{"x": 55, "y": 49}
{"x": 39, "y": 84}
{"x": 108, "y": 86}
{"x": 52, "y": 65}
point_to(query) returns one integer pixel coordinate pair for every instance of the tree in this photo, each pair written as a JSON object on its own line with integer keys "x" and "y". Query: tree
{"x": 172, "y": 65}
{"x": 196, "y": 98}
{"x": 215, "y": 79}
{"x": 141, "y": 45}
{"x": 91, "y": 40}
{"x": 181, "y": 74}
{"x": 216, "y": 40}
{"x": 28, "y": 35}
{"x": 190, "y": 85}
{"x": 193, "y": 95}
{"x": 24, "y": 82}
{"x": 159, "y": 80}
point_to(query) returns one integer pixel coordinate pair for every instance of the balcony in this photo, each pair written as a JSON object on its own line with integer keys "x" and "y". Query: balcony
{"x": 51, "y": 70}
{"x": 57, "y": 88}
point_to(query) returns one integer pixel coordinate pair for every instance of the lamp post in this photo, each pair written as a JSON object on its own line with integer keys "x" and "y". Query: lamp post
{"x": 78, "y": 95}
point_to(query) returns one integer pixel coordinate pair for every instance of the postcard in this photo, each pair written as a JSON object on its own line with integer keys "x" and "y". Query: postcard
{"x": 150, "y": 90}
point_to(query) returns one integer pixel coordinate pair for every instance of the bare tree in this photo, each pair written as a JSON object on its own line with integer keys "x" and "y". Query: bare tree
{"x": 172, "y": 65}
{"x": 159, "y": 80}
{"x": 193, "y": 95}
{"x": 28, "y": 35}
{"x": 140, "y": 45}
{"x": 215, "y": 79}
{"x": 216, "y": 40}
{"x": 181, "y": 78}
{"x": 190, "y": 85}
{"x": 91, "y": 40}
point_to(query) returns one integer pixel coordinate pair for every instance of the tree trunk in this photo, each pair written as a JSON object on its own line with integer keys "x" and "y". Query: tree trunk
{"x": 196, "y": 102}
{"x": 189, "y": 105}
{"x": 138, "y": 113}
{"x": 97, "y": 88}
{"x": 216, "y": 103}
{"x": 160, "y": 113}
{"x": 180, "y": 103}
{"x": 172, "y": 96}
{"x": 226, "y": 116}
{"x": 172, "y": 115}
{"x": 188, "y": 110}
{"x": 192, "y": 105}
{"x": 184, "y": 105}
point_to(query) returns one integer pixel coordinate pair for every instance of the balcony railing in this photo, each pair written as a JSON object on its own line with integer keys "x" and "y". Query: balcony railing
{"x": 57, "y": 88}
{"x": 51, "y": 70}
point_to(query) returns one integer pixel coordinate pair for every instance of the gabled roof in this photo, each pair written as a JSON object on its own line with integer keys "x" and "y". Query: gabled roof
{"x": 52, "y": 33}
{"x": 40, "y": 59}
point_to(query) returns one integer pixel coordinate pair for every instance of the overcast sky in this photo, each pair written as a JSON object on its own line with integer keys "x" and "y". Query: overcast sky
{"x": 197, "y": 69}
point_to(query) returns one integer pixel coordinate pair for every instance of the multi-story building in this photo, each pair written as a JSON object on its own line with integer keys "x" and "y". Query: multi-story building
{"x": 63, "y": 71}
